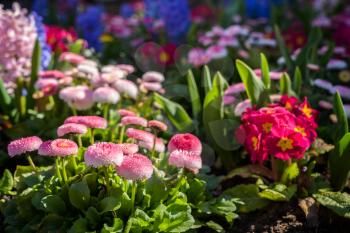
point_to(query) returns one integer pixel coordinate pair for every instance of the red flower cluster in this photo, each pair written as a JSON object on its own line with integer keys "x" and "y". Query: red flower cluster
{"x": 284, "y": 130}
{"x": 58, "y": 38}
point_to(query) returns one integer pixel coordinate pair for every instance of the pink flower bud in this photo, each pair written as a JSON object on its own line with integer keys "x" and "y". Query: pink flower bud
{"x": 23, "y": 145}
{"x": 90, "y": 121}
{"x": 71, "y": 128}
{"x": 140, "y": 135}
{"x": 63, "y": 147}
{"x": 185, "y": 142}
{"x": 157, "y": 125}
{"x": 103, "y": 154}
{"x": 135, "y": 167}
{"x": 125, "y": 112}
{"x": 106, "y": 95}
{"x": 134, "y": 120}
{"x": 129, "y": 148}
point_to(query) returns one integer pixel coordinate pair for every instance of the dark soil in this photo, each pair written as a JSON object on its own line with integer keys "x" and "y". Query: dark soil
{"x": 288, "y": 217}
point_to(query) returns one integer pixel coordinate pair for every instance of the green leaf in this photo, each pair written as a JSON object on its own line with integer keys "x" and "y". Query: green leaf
{"x": 265, "y": 71}
{"x": 342, "y": 125}
{"x": 283, "y": 48}
{"x": 279, "y": 192}
{"x": 339, "y": 163}
{"x": 335, "y": 201}
{"x": 93, "y": 216}
{"x": 195, "y": 99}
{"x": 36, "y": 60}
{"x": 53, "y": 204}
{"x": 286, "y": 85}
{"x": 117, "y": 226}
{"x": 5, "y": 99}
{"x": 77, "y": 46}
{"x": 196, "y": 191}
{"x": 156, "y": 188}
{"x": 109, "y": 204}
{"x": 79, "y": 226}
{"x": 206, "y": 79}
{"x": 253, "y": 85}
{"x": 290, "y": 173}
{"x": 79, "y": 195}
{"x": 6, "y": 182}
{"x": 215, "y": 226}
{"x": 297, "y": 81}
{"x": 176, "y": 113}
{"x": 249, "y": 195}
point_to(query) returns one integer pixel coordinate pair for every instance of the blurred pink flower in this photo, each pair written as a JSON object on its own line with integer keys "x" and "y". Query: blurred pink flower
{"x": 140, "y": 135}
{"x": 71, "y": 128}
{"x": 135, "y": 167}
{"x": 134, "y": 120}
{"x": 157, "y": 125}
{"x": 90, "y": 121}
{"x": 103, "y": 154}
{"x": 216, "y": 52}
{"x": 125, "y": 112}
{"x": 48, "y": 86}
{"x": 126, "y": 87}
{"x": 23, "y": 145}
{"x": 55, "y": 74}
{"x": 129, "y": 148}
{"x": 45, "y": 148}
{"x": 158, "y": 145}
{"x": 78, "y": 97}
{"x": 198, "y": 57}
{"x": 71, "y": 58}
{"x": 153, "y": 76}
{"x": 106, "y": 95}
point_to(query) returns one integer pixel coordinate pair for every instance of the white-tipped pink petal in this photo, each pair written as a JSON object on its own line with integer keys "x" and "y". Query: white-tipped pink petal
{"x": 78, "y": 97}
{"x": 63, "y": 147}
{"x": 134, "y": 120}
{"x": 184, "y": 159}
{"x": 90, "y": 121}
{"x": 23, "y": 145}
{"x": 71, "y": 128}
{"x": 103, "y": 154}
{"x": 135, "y": 167}
{"x": 157, "y": 125}
{"x": 151, "y": 86}
{"x": 185, "y": 142}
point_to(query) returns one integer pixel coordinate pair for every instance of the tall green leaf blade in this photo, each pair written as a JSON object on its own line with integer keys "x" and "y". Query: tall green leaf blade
{"x": 176, "y": 114}
{"x": 206, "y": 79}
{"x": 5, "y": 99}
{"x": 36, "y": 60}
{"x": 253, "y": 85}
{"x": 286, "y": 85}
{"x": 283, "y": 48}
{"x": 265, "y": 71}
{"x": 342, "y": 125}
{"x": 194, "y": 95}
{"x": 297, "y": 81}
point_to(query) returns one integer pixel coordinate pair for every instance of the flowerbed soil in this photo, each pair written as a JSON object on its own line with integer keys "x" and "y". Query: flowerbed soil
{"x": 288, "y": 217}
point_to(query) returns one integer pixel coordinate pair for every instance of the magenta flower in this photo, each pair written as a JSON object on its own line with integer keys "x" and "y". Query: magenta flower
{"x": 140, "y": 135}
{"x": 45, "y": 148}
{"x": 106, "y": 95}
{"x": 188, "y": 143}
{"x": 103, "y": 154}
{"x": 129, "y": 148}
{"x": 135, "y": 167}
{"x": 134, "y": 120}
{"x": 185, "y": 159}
{"x": 125, "y": 112}
{"x": 157, "y": 125}
{"x": 23, "y": 145}
{"x": 90, "y": 121}
{"x": 71, "y": 58}
{"x": 78, "y": 97}
{"x": 63, "y": 147}
{"x": 71, "y": 128}
{"x": 158, "y": 146}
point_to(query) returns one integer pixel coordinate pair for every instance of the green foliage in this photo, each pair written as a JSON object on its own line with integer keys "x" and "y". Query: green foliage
{"x": 342, "y": 126}
{"x": 297, "y": 81}
{"x": 36, "y": 60}
{"x": 283, "y": 48}
{"x": 286, "y": 85}
{"x": 290, "y": 173}
{"x": 6, "y": 183}
{"x": 335, "y": 201}
{"x": 206, "y": 79}
{"x": 194, "y": 95}
{"x": 265, "y": 71}
{"x": 278, "y": 192}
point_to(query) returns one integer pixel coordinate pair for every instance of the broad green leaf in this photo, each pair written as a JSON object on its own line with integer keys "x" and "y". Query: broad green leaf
{"x": 206, "y": 79}
{"x": 194, "y": 95}
{"x": 5, "y": 99}
{"x": 93, "y": 216}
{"x": 283, "y": 48}
{"x": 53, "y": 204}
{"x": 176, "y": 113}
{"x": 156, "y": 188}
{"x": 265, "y": 71}
{"x": 279, "y": 192}
{"x": 335, "y": 201}
{"x": 215, "y": 226}
{"x": 79, "y": 226}
{"x": 286, "y": 85}
{"x": 36, "y": 60}
{"x": 253, "y": 85}
{"x": 6, "y": 182}
{"x": 197, "y": 190}
{"x": 249, "y": 195}
{"x": 79, "y": 195}
{"x": 117, "y": 226}
{"x": 342, "y": 124}
{"x": 290, "y": 173}
{"x": 109, "y": 204}
{"x": 49, "y": 223}
{"x": 297, "y": 81}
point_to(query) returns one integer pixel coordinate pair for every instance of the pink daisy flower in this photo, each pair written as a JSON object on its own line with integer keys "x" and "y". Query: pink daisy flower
{"x": 157, "y": 125}
{"x": 134, "y": 120}
{"x": 151, "y": 86}
{"x": 140, "y": 135}
{"x": 127, "y": 68}
{"x": 45, "y": 148}
{"x": 23, "y": 145}
{"x": 216, "y": 52}
{"x": 78, "y": 97}
{"x": 103, "y": 154}
{"x": 159, "y": 145}
{"x": 126, "y": 87}
{"x": 71, "y": 58}
{"x": 125, "y": 112}
{"x": 63, "y": 147}
{"x": 135, "y": 167}
{"x": 153, "y": 76}
{"x": 184, "y": 159}
{"x": 188, "y": 143}
{"x": 90, "y": 121}
{"x": 71, "y": 128}
{"x": 106, "y": 95}
{"x": 129, "y": 148}
{"x": 55, "y": 74}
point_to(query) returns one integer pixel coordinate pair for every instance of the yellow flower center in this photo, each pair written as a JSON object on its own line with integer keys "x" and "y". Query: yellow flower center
{"x": 307, "y": 111}
{"x": 344, "y": 76}
{"x": 64, "y": 144}
{"x": 300, "y": 40}
{"x": 267, "y": 127}
{"x": 285, "y": 144}
{"x": 164, "y": 57}
{"x": 106, "y": 38}
{"x": 288, "y": 106}
{"x": 300, "y": 130}
{"x": 255, "y": 142}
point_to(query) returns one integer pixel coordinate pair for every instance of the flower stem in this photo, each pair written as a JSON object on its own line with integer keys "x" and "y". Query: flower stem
{"x": 133, "y": 194}
{"x": 80, "y": 142}
{"x": 121, "y": 137}
{"x": 106, "y": 111}
{"x": 74, "y": 162}
{"x": 74, "y": 111}
{"x": 58, "y": 173}
{"x": 105, "y": 169}
{"x": 64, "y": 172}
{"x": 31, "y": 163}
{"x": 92, "y": 139}
{"x": 274, "y": 168}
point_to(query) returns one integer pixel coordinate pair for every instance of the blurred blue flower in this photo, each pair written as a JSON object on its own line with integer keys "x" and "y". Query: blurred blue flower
{"x": 89, "y": 25}
{"x": 41, "y": 7}
{"x": 174, "y": 13}
{"x": 260, "y": 8}
{"x": 45, "y": 49}
{"x": 126, "y": 10}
